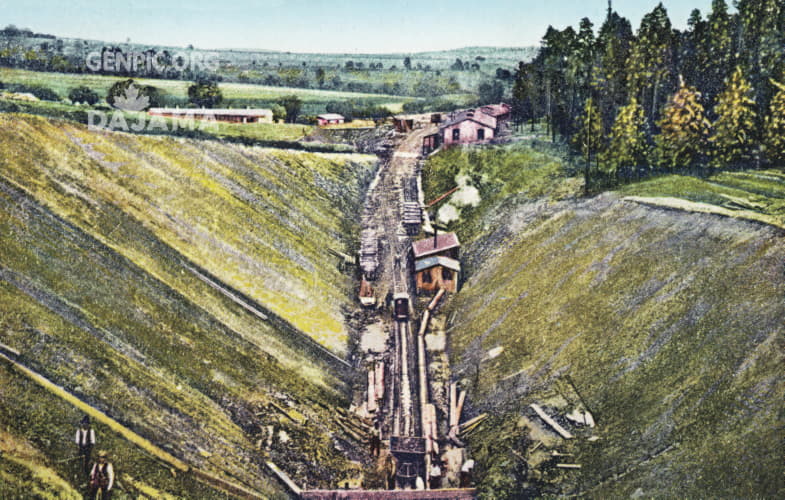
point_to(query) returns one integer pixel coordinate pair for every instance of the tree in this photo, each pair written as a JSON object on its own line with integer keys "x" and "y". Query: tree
{"x": 734, "y": 138}
{"x": 628, "y": 145}
{"x": 407, "y": 62}
{"x": 716, "y": 50}
{"x": 457, "y": 65}
{"x": 588, "y": 137}
{"x": 320, "y": 76}
{"x": 774, "y": 132}
{"x": 610, "y": 76}
{"x": 651, "y": 60}
{"x": 491, "y": 92}
{"x": 205, "y": 93}
{"x": 121, "y": 89}
{"x": 693, "y": 46}
{"x": 279, "y": 113}
{"x": 762, "y": 29}
{"x": 292, "y": 104}
{"x": 683, "y": 129}
{"x": 83, "y": 94}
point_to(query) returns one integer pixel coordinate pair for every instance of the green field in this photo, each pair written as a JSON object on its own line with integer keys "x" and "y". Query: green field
{"x": 234, "y": 93}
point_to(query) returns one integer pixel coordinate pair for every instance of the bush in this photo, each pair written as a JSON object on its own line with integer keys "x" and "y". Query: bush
{"x": 83, "y": 94}
{"x": 121, "y": 91}
{"x": 205, "y": 93}
{"x": 41, "y": 92}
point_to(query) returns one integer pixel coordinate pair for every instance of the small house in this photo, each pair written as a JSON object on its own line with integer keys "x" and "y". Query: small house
{"x": 467, "y": 127}
{"x": 436, "y": 263}
{"x": 445, "y": 244}
{"x": 328, "y": 119}
{"x": 500, "y": 112}
{"x": 435, "y": 272}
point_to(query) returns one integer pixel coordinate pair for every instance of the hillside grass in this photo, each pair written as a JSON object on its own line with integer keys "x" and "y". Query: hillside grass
{"x": 502, "y": 175}
{"x": 37, "y": 446}
{"x": 101, "y": 234}
{"x": 761, "y": 191}
{"x": 247, "y": 215}
{"x": 669, "y": 323}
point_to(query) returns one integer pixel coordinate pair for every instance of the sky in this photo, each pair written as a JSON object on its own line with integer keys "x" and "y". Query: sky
{"x": 336, "y": 26}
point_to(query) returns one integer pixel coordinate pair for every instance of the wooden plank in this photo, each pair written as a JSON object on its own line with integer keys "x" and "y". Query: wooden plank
{"x": 472, "y": 421}
{"x": 284, "y": 478}
{"x": 426, "y": 317}
{"x": 436, "y": 299}
{"x": 568, "y": 466}
{"x": 379, "y": 378}
{"x": 459, "y": 407}
{"x": 555, "y": 425}
{"x": 371, "y": 390}
{"x": 9, "y": 349}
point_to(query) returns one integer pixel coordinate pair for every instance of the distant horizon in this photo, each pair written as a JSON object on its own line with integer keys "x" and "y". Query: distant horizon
{"x": 325, "y": 27}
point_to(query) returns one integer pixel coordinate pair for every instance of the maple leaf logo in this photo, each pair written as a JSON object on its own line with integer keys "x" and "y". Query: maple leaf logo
{"x": 132, "y": 100}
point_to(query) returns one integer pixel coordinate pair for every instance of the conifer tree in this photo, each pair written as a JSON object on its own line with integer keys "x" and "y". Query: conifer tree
{"x": 588, "y": 137}
{"x": 762, "y": 37}
{"x": 734, "y": 137}
{"x": 651, "y": 59}
{"x": 717, "y": 50}
{"x": 610, "y": 76}
{"x": 628, "y": 144}
{"x": 683, "y": 129}
{"x": 774, "y": 134}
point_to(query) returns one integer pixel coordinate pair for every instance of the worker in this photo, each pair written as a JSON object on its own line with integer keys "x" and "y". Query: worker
{"x": 376, "y": 440}
{"x": 85, "y": 440}
{"x": 436, "y": 474}
{"x": 102, "y": 477}
{"x": 466, "y": 473}
{"x": 390, "y": 469}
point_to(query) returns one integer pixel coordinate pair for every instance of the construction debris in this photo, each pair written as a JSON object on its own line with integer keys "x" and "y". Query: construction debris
{"x": 548, "y": 420}
{"x": 581, "y": 418}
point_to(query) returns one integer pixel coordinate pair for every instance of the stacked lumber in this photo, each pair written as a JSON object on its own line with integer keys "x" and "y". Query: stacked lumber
{"x": 412, "y": 213}
{"x": 369, "y": 249}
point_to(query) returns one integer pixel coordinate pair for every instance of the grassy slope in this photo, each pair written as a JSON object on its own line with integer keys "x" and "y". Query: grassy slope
{"x": 96, "y": 296}
{"x": 669, "y": 323}
{"x": 260, "y": 220}
{"x": 761, "y": 191}
{"x": 62, "y": 83}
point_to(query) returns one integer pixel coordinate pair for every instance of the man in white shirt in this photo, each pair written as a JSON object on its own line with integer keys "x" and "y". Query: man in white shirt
{"x": 85, "y": 440}
{"x": 466, "y": 473}
{"x": 102, "y": 477}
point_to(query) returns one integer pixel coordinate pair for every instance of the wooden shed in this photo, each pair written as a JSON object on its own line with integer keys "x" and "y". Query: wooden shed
{"x": 435, "y": 272}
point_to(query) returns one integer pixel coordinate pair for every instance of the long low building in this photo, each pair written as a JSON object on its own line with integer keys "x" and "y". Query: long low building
{"x": 217, "y": 114}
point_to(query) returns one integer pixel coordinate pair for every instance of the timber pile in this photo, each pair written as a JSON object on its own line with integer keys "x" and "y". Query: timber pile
{"x": 412, "y": 213}
{"x": 369, "y": 249}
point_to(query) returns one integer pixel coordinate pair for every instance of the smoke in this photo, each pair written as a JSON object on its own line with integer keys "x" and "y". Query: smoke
{"x": 466, "y": 196}
{"x": 448, "y": 213}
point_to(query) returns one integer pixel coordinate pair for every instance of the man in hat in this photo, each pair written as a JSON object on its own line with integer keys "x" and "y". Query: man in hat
{"x": 102, "y": 477}
{"x": 85, "y": 440}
